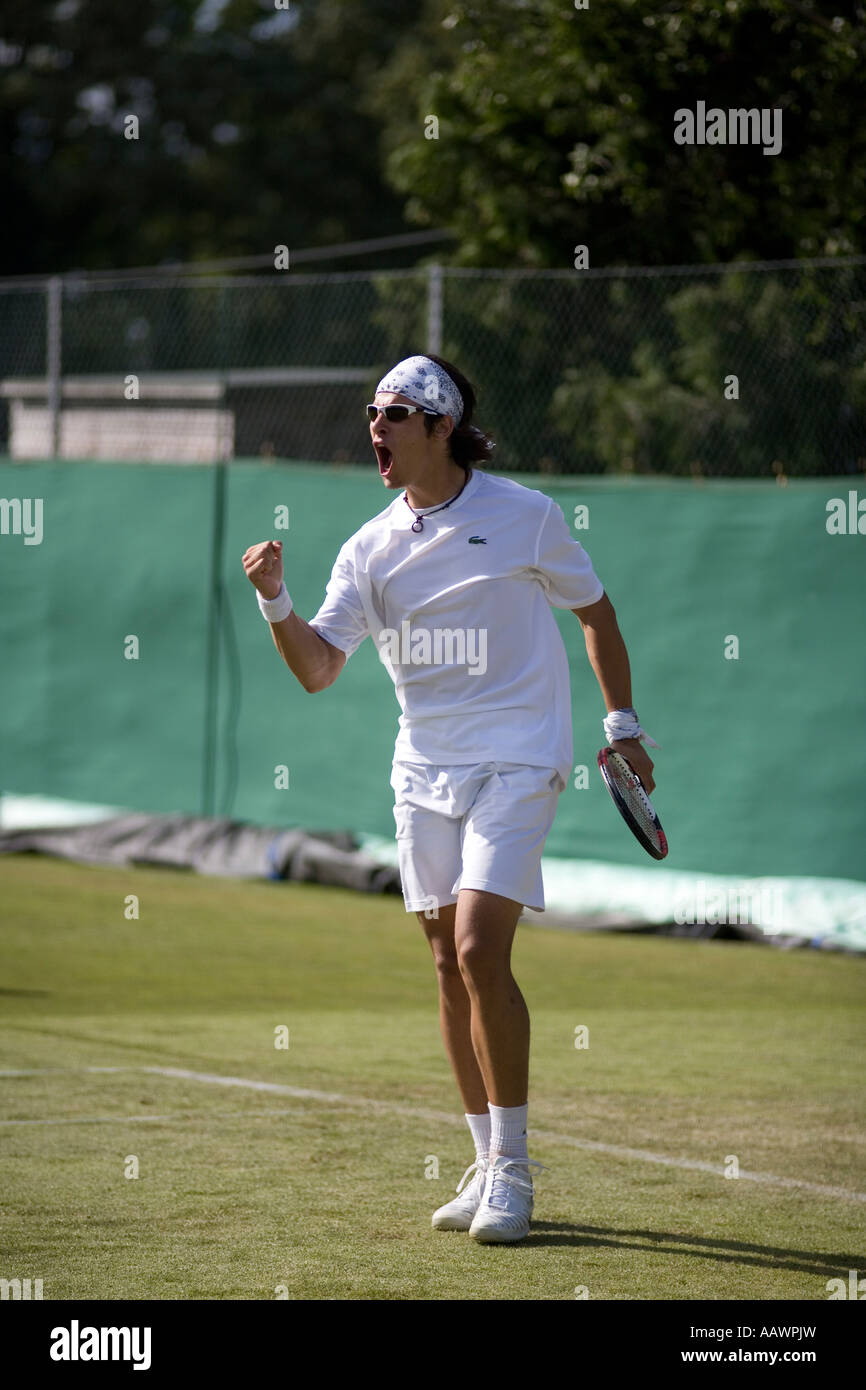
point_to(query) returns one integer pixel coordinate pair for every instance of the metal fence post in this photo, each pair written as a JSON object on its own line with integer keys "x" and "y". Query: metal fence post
{"x": 53, "y": 357}
{"x": 218, "y": 610}
{"x": 434, "y": 309}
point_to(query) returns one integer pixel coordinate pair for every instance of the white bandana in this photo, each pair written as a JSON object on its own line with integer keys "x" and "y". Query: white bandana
{"x": 425, "y": 383}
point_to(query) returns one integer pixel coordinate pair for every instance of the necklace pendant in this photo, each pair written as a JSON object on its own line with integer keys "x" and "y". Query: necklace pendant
{"x": 417, "y": 524}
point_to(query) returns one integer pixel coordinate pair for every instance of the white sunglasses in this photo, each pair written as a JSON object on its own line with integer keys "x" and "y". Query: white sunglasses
{"x": 396, "y": 413}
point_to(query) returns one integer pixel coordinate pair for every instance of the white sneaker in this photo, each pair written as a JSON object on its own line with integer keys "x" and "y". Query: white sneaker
{"x": 506, "y": 1206}
{"x": 457, "y": 1214}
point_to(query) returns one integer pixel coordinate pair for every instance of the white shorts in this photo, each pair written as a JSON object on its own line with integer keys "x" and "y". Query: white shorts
{"x": 471, "y": 826}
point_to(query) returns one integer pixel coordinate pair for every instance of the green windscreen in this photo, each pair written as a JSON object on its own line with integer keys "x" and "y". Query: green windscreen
{"x": 742, "y": 613}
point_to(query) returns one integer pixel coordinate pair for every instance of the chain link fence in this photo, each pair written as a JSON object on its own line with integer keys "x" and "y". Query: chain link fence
{"x": 739, "y": 371}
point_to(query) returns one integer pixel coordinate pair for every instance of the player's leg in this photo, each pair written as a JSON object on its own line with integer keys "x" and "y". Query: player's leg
{"x": 455, "y": 1015}
{"x": 484, "y": 929}
{"x": 429, "y": 834}
{"x": 429, "y": 845}
{"x": 455, "y": 1011}
{"x": 503, "y": 838}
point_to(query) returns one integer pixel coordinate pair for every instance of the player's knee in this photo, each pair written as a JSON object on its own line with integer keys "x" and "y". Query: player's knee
{"x": 440, "y": 937}
{"x": 448, "y": 969}
{"x": 445, "y": 957}
{"x": 481, "y": 961}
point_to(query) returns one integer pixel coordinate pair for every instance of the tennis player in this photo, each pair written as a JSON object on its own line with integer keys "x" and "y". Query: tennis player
{"x": 455, "y": 581}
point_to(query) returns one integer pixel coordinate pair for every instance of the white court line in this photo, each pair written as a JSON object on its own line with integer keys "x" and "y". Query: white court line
{"x": 91, "y": 1120}
{"x": 440, "y": 1117}
{"x": 49, "y": 1071}
{"x": 156, "y": 1119}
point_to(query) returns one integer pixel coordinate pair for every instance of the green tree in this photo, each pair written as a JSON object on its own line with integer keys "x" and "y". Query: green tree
{"x": 250, "y": 132}
{"x": 556, "y": 128}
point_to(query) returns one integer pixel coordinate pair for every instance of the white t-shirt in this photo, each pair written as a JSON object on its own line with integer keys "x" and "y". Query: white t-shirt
{"x": 460, "y": 614}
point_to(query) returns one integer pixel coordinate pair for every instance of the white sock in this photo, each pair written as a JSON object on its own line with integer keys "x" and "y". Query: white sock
{"x": 508, "y": 1131}
{"x": 480, "y": 1126}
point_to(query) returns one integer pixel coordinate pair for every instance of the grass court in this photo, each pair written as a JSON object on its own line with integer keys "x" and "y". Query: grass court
{"x": 307, "y": 1171}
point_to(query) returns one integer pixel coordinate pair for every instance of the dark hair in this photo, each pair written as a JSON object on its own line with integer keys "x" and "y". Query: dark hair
{"x": 468, "y": 444}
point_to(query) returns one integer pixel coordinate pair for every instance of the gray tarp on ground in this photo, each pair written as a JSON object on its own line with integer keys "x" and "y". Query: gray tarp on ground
{"x": 212, "y": 846}
{"x": 580, "y": 894}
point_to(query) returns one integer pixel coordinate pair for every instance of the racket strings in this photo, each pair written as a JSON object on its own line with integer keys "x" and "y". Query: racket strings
{"x": 636, "y": 799}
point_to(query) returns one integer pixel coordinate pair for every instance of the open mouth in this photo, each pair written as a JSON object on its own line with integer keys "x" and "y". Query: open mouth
{"x": 385, "y": 459}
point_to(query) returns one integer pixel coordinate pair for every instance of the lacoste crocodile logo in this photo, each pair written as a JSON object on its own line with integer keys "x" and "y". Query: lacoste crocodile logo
{"x": 477, "y": 540}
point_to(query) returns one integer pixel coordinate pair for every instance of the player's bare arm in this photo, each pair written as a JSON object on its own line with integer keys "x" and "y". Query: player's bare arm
{"x": 608, "y": 657}
{"x": 315, "y": 662}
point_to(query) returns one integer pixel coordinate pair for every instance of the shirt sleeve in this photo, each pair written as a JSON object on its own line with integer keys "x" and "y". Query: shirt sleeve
{"x": 341, "y": 619}
{"x": 563, "y": 566}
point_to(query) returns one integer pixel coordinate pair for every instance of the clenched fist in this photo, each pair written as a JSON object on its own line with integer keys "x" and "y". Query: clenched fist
{"x": 263, "y": 565}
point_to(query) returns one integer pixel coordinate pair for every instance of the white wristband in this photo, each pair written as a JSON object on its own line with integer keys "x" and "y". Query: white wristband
{"x": 275, "y": 609}
{"x": 624, "y": 723}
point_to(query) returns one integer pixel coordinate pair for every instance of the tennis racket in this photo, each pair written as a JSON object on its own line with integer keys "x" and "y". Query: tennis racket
{"x": 632, "y": 802}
